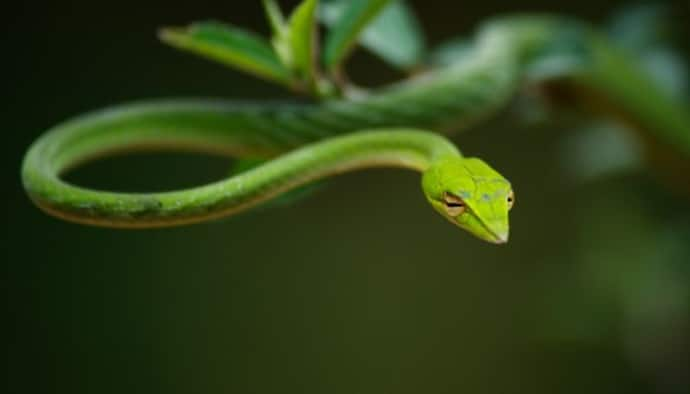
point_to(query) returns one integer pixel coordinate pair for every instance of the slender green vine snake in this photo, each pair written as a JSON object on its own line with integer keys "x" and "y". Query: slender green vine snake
{"x": 307, "y": 142}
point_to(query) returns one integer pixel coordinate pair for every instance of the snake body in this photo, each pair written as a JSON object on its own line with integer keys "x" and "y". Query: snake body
{"x": 305, "y": 142}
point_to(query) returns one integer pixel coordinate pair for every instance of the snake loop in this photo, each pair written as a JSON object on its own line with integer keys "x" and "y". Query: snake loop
{"x": 308, "y": 142}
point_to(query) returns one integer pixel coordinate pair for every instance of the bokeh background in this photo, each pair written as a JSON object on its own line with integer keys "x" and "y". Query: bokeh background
{"x": 360, "y": 288}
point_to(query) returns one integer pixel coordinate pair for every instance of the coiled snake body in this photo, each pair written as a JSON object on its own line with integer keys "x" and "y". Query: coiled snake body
{"x": 309, "y": 142}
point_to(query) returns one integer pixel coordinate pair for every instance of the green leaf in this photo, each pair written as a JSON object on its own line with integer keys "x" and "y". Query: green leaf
{"x": 275, "y": 17}
{"x": 601, "y": 148}
{"x": 302, "y": 37}
{"x": 231, "y": 46}
{"x": 396, "y": 36}
{"x": 646, "y": 31}
{"x": 281, "y": 33}
{"x": 668, "y": 69}
{"x": 640, "y": 27}
{"x": 345, "y": 30}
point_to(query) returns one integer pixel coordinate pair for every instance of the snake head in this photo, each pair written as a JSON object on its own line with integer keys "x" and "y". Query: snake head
{"x": 471, "y": 195}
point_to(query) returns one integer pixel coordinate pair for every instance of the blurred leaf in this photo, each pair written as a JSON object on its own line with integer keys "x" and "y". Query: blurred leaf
{"x": 275, "y": 17}
{"x": 639, "y": 27}
{"x": 601, "y": 149}
{"x": 668, "y": 69}
{"x": 396, "y": 36}
{"x": 302, "y": 37}
{"x": 645, "y": 30}
{"x": 230, "y": 46}
{"x": 346, "y": 27}
{"x": 281, "y": 33}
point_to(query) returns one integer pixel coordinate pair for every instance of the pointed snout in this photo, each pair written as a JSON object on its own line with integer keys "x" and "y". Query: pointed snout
{"x": 498, "y": 231}
{"x": 501, "y": 238}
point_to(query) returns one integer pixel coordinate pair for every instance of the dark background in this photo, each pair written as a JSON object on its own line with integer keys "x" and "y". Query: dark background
{"x": 358, "y": 289}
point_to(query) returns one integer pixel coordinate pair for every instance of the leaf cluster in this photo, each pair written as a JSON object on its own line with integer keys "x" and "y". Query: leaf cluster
{"x": 294, "y": 57}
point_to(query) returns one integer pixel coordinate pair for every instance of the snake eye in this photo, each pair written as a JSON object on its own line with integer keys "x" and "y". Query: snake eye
{"x": 454, "y": 205}
{"x": 511, "y": 199}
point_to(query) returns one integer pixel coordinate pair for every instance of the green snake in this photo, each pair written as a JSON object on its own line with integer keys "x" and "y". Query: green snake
{"x": 306, "y": 142}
